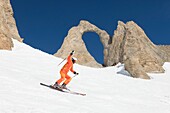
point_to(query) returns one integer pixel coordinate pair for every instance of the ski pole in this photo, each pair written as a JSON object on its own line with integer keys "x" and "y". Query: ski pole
{"x": 62, "y": 61}
{"x": 65, "y": 58}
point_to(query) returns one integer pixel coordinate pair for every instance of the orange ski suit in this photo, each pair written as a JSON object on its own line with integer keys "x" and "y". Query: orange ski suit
{"x": 65, "y": 69}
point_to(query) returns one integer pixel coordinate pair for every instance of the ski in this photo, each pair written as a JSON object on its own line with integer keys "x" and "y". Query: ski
{"x": 76, "y": 93}
{"x": 50, "y": 86}
{"x": 62, "y": 90}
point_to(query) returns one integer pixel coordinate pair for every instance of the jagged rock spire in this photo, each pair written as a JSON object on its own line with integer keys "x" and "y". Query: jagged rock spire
{"x": 131, "y": 46}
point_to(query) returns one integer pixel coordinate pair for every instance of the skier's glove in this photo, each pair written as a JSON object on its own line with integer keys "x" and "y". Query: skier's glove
{"x": 76, "y": 73}
{"x": 72, "y": 52}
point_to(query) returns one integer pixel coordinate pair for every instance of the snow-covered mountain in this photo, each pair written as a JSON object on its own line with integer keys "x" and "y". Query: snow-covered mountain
{"x": 109, "y": 90}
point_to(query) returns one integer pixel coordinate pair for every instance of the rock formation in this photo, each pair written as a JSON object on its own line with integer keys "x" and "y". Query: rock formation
{"x": 74, "y": 41}
{"x": 8, "y": 27}
{"x": 129, "y": 45}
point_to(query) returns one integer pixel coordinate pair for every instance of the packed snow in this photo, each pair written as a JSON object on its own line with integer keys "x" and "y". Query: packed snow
{"x": 109, "y": 90}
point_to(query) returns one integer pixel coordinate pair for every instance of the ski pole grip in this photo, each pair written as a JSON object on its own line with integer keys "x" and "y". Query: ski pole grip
{"x": 72, "y": 52}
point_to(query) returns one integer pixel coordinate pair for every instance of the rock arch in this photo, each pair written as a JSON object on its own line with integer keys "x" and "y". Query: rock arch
{"x": 74, "y": 41}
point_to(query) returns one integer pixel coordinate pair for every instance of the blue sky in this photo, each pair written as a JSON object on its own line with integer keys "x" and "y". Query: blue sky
{"x": 45, "y": 23}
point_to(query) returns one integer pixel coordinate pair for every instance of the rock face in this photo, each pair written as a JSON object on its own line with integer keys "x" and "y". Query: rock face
{"x": 129, "y": 45}
{"x": 74, "y": 41}
{"x": 165, "y": 48}
{"x": 8, "y": 27}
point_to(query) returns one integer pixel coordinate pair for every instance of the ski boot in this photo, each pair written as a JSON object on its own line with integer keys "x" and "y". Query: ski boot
{"x": 63, "y": 86}
{"x": 56, "y": 85}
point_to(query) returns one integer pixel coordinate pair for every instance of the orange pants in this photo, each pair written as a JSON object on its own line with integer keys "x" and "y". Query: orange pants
{"x": 63, "y": 77}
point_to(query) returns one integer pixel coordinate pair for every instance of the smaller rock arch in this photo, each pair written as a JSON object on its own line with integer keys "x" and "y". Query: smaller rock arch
{"x": 74, "y": 41}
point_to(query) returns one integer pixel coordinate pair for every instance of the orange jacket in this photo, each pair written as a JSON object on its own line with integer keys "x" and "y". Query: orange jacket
{"x": 68, "y": 66}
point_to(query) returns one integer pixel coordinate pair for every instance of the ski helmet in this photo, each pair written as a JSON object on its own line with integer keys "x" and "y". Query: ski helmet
{"x": 74, "y": 60}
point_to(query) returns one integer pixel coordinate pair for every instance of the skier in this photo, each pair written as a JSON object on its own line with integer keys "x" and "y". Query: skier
{"x": 63, "y": 72}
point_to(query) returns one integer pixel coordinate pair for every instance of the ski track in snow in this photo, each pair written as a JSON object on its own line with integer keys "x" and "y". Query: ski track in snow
{"x": 109, "y": 90}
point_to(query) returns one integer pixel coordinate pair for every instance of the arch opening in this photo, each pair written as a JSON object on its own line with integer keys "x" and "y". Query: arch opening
{"x": 94, "y": 46}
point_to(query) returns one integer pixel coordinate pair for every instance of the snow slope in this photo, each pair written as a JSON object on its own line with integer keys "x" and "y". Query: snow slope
{"x": 109, "y": 90}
